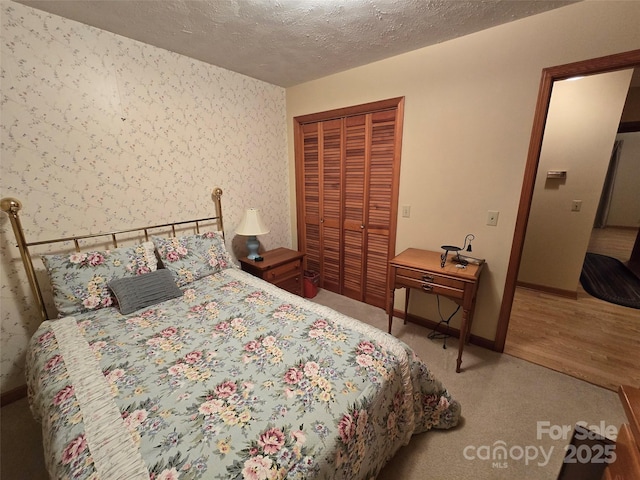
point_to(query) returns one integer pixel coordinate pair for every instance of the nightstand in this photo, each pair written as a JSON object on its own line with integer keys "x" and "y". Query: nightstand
{"x": 281, "y": 267}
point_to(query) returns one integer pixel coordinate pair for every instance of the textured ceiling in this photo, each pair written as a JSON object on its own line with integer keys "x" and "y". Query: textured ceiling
{"x": 287, "y": 42}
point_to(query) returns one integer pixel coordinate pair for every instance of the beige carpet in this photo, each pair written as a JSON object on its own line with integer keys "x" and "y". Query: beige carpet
{"x": 503, "y": 399}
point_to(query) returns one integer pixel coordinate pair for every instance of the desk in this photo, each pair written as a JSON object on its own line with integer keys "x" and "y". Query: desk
{"x": 415, "y": 268}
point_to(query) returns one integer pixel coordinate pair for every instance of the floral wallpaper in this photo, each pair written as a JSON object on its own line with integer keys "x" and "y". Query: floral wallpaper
{"x": 100, "y": 132}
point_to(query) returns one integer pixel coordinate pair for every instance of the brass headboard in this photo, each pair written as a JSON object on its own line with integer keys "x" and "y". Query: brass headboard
{"x": 13, "y": 206}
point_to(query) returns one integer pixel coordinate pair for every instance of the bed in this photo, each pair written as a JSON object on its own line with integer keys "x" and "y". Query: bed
{"x": 192, "y": 368}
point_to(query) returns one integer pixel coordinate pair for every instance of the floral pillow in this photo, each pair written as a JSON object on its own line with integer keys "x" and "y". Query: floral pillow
{"x": 79, "y": 280}
{"x": 193, "y": 256}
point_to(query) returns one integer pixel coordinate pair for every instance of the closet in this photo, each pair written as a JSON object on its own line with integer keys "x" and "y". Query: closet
{"x": 347, "y": 169}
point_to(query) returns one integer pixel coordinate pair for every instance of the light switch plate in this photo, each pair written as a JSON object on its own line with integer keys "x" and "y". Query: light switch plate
{"x": 492, "y": 218}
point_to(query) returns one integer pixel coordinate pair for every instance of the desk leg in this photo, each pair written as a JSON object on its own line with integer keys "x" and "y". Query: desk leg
{"x": 464, "y": 329}
{"x": 392, "y": 296}
{"x": 406, "y": 303}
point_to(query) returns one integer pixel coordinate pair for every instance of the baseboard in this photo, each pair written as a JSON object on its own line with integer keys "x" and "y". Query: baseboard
{"x": 551, "y": 290}
{"x": 13, "y": 395}
{"x": 623, "y": 227}
{"x": 454, "y": 332}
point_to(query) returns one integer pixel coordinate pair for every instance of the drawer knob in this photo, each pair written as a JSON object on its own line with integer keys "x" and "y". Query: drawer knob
{"x": 427, "y": 288}
{"x": 427, "y": 278}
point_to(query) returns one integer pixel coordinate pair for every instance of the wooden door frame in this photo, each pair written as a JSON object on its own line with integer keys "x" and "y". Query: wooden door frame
{"x": 593, "y": 66}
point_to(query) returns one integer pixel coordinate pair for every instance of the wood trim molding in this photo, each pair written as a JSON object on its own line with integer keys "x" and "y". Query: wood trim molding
{"x": 634, "y": 261}
{"x": 609, "y": 63}
{"x": 14, "y": 395}
{"x": 551, "y": 290}
{"x": 349, "y": 111}
{"x": 298, "y": 144}
{"x": 395, "y": 194}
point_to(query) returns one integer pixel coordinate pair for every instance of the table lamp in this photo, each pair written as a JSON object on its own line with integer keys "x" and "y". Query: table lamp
{"x": 250, "y": 226}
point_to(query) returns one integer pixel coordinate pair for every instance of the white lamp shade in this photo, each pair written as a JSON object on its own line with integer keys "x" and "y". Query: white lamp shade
{"x": 251, "y": 223}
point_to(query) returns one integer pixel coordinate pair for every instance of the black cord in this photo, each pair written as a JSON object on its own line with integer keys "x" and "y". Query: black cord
{"x": 437, "y": 335}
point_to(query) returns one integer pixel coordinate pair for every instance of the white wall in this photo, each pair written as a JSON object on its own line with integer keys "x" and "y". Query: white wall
{"x": 581, "y": 128}
{"x": 100, "y": 132}
{"x": 469, "y": 109}
{"x": 625, "y": 201}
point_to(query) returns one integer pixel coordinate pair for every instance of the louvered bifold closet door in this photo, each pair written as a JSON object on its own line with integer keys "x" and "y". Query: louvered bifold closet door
{"x": 331, "y": 154}
{"x": 355, "y": 177}
{"x": 379, "y": 204}
{"x": 347, "y": 173}
{"x": 311, "y": 195}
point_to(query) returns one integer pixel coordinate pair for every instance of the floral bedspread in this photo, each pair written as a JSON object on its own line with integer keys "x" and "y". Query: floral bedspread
{"x": 235, "y": 379}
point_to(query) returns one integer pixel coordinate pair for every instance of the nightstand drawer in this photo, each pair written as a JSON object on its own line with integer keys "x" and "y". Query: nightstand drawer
{"x": 281, "y": 267}
{"x": 292, "y": 285}
{"x": 283, "y": 272}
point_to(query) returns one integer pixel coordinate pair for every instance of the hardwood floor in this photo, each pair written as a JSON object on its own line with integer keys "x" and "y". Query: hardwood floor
{"x": 587, "y": 338}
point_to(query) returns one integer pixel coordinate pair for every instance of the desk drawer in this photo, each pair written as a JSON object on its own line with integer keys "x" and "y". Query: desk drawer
{"x": 429, "y": 287}
{"x": 430, "y": 278}
{"x": 430, "y": 282}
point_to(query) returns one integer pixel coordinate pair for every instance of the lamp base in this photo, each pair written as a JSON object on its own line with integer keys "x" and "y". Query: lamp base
{"x": 252, "y": 245}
